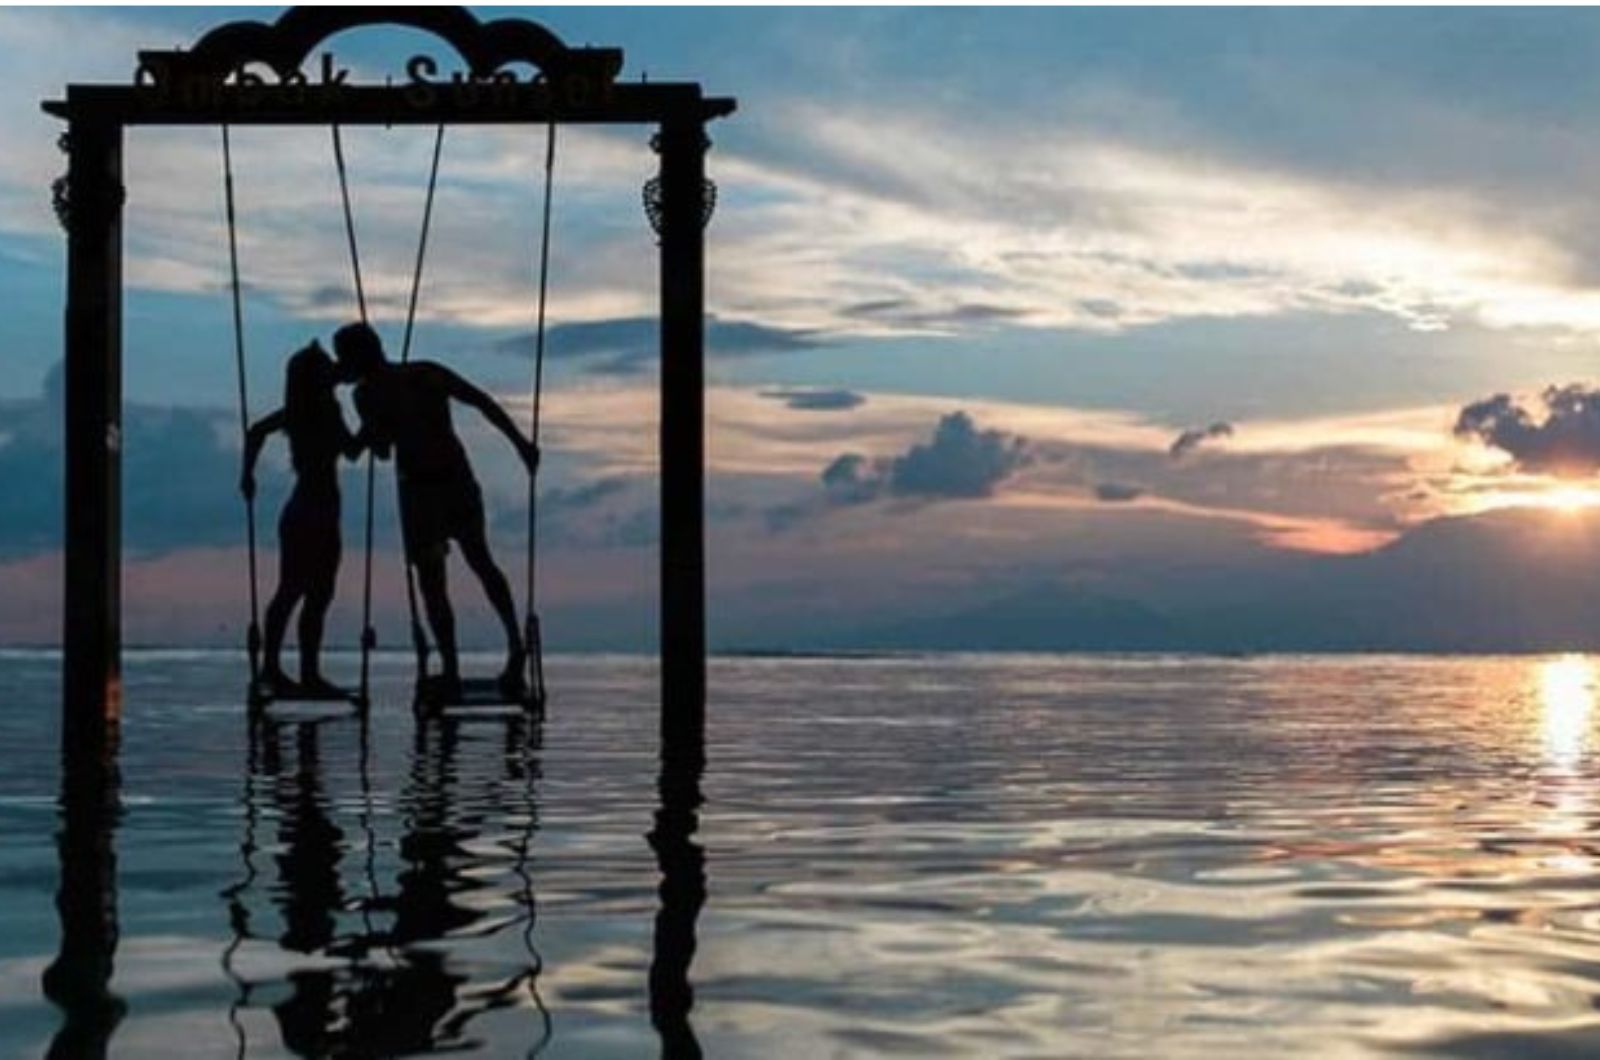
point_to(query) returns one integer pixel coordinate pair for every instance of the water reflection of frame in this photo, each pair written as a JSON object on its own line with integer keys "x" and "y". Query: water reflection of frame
{"x": 682, "y": 863}
{"x": 381, "y": 966}
{"x": 79, "y": 979}
{"x": 340, "y": 943}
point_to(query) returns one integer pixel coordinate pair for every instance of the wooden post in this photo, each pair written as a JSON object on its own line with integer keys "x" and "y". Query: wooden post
{"x": 91, "y": 637}
{"x": 682, "y": 144}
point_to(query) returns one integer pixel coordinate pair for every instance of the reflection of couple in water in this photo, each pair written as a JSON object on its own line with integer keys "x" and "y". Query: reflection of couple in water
{"x": 404, "y": 410}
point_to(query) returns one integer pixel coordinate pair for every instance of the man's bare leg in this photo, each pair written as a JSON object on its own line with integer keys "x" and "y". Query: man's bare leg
{"x": 432, "y": 583}
{"x": 475, "y": 552}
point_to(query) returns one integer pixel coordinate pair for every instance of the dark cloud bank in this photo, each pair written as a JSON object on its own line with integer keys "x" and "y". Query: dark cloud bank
{"x": 1565, "y": 441}
{"x": 180, "y": 470}
{"x": 178, "y": 477}
{"x": 1117, "y": 492}
{"x": 807, "y": 399}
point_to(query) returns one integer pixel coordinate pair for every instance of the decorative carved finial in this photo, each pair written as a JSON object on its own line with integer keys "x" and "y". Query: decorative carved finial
{"x": 68, "y": 205}
{"x": 654, "y": 198}
{"x": 60, "y": 198}
{"x": 653, "y": 203}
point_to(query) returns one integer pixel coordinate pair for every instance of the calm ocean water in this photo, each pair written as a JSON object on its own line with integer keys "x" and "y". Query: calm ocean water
{"x": 975, "y": 856}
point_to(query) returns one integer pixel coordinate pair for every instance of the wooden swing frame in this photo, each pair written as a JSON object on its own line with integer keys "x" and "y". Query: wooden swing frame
{"x": 224, "y": 80}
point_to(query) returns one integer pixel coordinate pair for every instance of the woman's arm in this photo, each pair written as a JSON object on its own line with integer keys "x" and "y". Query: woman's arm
{"x": 350, "y": 445}
{"x": 254, "y": 439}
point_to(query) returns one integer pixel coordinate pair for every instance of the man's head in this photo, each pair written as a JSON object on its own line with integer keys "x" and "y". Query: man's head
{"x": 359, "y": 350}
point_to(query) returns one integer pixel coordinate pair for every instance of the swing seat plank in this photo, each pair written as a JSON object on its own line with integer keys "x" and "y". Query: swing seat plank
{"x": 263, "y": 695}
{"x": 473, "y": 692}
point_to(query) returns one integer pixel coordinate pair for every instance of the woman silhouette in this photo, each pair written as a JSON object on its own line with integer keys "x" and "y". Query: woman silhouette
{"x": 308, "y": 529}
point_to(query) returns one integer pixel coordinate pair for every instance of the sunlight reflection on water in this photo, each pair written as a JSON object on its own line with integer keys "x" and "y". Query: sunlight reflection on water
{"x": 1566, "y": 699}
{"x": 962, "y": 855}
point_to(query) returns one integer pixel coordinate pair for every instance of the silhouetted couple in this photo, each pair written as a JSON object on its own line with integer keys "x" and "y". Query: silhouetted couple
{"x": 405, "y": 412}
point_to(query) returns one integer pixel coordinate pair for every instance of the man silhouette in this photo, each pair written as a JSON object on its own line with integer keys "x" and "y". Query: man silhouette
{"x": 405, "y": 409}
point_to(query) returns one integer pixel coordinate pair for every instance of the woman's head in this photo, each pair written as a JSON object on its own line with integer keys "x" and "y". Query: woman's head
{"x": 309, "y": 379}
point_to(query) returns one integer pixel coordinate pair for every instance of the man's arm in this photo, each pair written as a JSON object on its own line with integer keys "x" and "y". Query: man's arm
{"x": 490, "y": 409}
{"x": 254, "y": 439}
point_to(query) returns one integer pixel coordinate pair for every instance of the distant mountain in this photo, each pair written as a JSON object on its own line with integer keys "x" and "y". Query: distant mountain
{"x": 1510, "y": 580}
{"x": 1047, "y": 618}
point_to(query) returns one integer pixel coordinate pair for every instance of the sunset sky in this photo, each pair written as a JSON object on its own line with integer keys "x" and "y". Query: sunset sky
{"x": 1116, "y": 309}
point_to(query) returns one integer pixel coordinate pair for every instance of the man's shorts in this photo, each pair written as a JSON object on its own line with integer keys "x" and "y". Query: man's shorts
{"x": 432, "y": 512}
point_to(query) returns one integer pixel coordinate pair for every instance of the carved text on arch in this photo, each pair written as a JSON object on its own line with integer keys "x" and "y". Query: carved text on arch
{"x": 243, "y": 63}
{"x": 422, "y": 88}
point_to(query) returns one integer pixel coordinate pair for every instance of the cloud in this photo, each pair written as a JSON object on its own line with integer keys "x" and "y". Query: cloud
{"x": 893, "y": 219}
{"x": 911, "y": 315}
{"x": 1117, "y": 492}
{"x": 878, "y": 213}
{"x": 1193, "y": 438}
{"x": 960, "y": 462}
{"x": 178, "y": 476}
{"x": 584, "y": 495}
{"x": 852, "y": 479}
{"x": 1565, "y": 442}
{"x": 812, "y": 399}
{"x": 1353, "y": 470}
{"x": 629, "y": 345}
{"x": 584, "y": 513}
{"x": 180, "y": 470}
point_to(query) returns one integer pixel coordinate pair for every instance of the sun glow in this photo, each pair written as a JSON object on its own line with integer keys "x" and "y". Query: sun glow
{"x": 1566, "y": 499}
{"x": 1571, "y": 498}
{"x": 1566, "y": 702}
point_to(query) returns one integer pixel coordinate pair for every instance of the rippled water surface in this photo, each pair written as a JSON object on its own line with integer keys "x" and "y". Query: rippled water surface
{"x": 977, "y": 856}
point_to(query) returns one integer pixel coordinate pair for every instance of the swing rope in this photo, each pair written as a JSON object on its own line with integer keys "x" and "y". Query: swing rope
{"x": 419, "y": 639}
{"x": 534, "y": 634}
{"x": 422, "y": 245}
{"x": 253, "y": 638}
{"x": 369, "y": 636}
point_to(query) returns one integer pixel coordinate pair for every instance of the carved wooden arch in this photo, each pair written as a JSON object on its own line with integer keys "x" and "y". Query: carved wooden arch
{"x": 284, "y": 45}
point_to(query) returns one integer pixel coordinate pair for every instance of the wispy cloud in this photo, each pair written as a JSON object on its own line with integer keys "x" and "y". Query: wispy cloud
{"x": 863, "y": 220}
